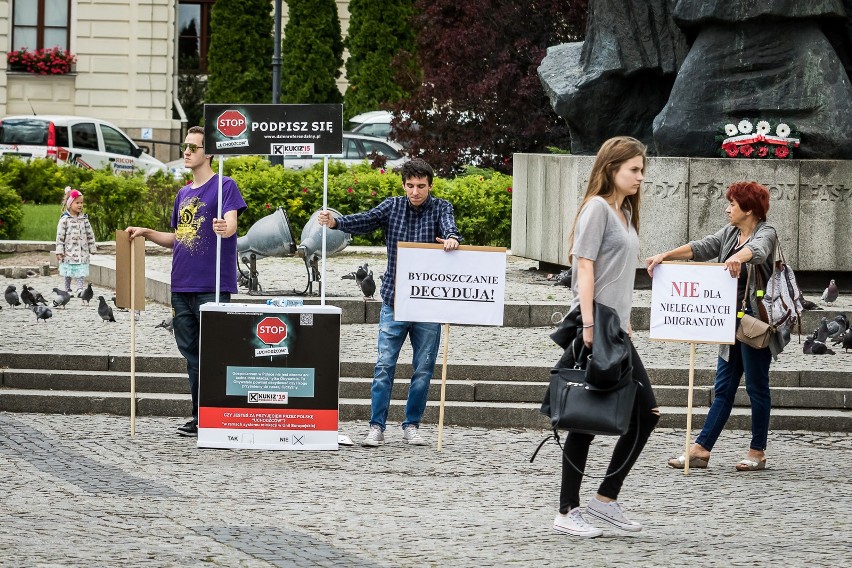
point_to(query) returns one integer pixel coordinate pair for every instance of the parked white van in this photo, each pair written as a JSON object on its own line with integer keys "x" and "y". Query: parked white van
{"x": 86, "y": 142}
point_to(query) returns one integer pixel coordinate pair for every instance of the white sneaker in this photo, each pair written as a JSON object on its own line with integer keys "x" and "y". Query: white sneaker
{"x": 611, "y": 513}
{"x": 574, "y": 524}
{"x": 411, "y": 436}
{"x": 375, "y": 437}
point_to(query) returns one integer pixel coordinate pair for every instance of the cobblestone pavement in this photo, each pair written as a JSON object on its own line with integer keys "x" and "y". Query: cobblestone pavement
{"x": 78, "y": 490}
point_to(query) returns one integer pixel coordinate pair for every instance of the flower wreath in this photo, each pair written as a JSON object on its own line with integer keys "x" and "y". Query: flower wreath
{"x": 762, "y": 139}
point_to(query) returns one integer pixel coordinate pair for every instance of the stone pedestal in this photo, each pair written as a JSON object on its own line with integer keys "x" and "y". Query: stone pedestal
{"x": 684, "y": 199}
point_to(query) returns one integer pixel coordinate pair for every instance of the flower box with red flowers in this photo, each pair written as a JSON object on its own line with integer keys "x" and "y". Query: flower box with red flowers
{"x": 50, "y": 61}
{"x": 758, "y": 139}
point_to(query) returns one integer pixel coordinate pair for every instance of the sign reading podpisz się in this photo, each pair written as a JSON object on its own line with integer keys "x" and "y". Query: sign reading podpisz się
{"x": 274, "y": 130}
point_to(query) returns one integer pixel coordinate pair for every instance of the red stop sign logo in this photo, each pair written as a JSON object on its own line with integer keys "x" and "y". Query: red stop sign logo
{"x": 271, "y": 331}
{"x": 231, "y": 123}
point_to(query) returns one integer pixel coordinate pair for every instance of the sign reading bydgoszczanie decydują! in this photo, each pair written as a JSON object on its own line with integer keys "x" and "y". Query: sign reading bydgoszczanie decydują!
{"x": 464, "y": 286}
{"x": 693, "y": 301}
{"x": 274, "y": 130}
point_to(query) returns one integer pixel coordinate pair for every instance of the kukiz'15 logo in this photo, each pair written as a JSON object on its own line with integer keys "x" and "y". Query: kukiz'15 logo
{"x": 271, "y": 330}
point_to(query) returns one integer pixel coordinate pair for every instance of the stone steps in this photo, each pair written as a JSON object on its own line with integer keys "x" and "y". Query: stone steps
{"x": 476, "y": 395}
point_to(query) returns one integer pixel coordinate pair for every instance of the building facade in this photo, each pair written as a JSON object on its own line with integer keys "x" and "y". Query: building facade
{"x": 129, "y": 54}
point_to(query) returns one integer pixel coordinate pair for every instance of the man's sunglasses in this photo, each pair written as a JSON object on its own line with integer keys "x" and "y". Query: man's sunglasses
{"x": 192, "y": 147}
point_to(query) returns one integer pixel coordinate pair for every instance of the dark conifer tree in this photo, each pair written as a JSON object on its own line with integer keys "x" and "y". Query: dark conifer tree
{"x": 311, "y": 53}
{"x": 380, "y": 44}
{"x": 240, "y": 54}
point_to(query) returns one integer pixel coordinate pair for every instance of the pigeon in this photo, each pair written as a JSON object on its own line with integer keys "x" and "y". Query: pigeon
{"x": 350, "y": 276}
{"x": 167, "y": 325}
{"x": 27, "y": 296}
{"x": 361, "y": 273}
{"x": 61, "y": 298}
{"x": 819, "y": 347}
{"x": 840, "y": 338}
{"x": 104, "y": 310}
{"x": 12, "y": 296}
{"x": 87, "y": 294}
{"x": 39, "y": 299}
{"x": 808, "y": 305}
{"x": 563, "y": 278}
{"x": 368, "y": 286}
{"x": 847, "y": 341}
{"x": 829, "y": 295}
{"x": 807, "y": 345}
{"x": 41, "y": 312}
{"x": 837, "y": 326}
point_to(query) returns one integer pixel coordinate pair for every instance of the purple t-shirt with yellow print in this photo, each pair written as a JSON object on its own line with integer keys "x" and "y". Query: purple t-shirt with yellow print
{"x": 194, "y": 256}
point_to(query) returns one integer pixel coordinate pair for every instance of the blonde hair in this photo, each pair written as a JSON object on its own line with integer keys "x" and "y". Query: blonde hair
{"x": 612, "y": 154}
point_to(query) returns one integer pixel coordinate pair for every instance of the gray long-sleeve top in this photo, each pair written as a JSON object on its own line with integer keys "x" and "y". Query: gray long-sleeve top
{"x": 718, "y": 246}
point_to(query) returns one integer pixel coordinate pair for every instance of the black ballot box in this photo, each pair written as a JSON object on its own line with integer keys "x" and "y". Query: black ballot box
{"x": 269, "y": 377}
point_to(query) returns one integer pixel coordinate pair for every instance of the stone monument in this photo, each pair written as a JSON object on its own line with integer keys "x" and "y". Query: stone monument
{"x": 669, "y": 72}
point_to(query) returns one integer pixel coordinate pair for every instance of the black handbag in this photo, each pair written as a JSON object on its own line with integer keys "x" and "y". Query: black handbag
{"x": 577, "y": 406}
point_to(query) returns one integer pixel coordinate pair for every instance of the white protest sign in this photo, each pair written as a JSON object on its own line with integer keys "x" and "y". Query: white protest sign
{"x": 692, "y": 301}
{"x": 464, "y": 286}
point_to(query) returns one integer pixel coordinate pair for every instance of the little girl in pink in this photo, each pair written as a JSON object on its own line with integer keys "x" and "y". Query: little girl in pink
{"x": 75, "y": 240}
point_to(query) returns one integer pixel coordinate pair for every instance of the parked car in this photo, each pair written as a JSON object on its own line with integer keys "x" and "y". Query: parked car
{"x": 86, "y": 142}
{"x": 356, "y": 149}
{"x": 373, "y": 123}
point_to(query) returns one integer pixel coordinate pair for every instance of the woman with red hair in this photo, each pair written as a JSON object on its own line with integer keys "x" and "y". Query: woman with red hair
{"x": 746, "y": 245}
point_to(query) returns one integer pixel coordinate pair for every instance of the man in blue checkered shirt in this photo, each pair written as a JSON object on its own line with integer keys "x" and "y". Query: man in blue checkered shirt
{"x": 417, "y": 217}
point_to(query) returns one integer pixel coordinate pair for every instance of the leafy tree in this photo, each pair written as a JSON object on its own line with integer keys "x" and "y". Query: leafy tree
{"x": 311, "y": 53}
{"x": 240, "y": 54}
{"x": 380, "y": 44}
{"x": 480, "y": 99}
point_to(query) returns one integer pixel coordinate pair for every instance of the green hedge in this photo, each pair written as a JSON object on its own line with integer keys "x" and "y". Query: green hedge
{"x": 482, "y": 199}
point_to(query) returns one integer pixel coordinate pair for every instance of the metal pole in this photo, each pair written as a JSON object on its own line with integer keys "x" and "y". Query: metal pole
{"x": 276, "y": 69}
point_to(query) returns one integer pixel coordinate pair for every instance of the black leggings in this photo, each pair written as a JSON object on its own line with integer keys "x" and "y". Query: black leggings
{"x": 577, "y": 445}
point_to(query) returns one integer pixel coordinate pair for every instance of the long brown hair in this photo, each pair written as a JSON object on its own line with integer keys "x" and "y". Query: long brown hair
{"x": 611, "y": 155}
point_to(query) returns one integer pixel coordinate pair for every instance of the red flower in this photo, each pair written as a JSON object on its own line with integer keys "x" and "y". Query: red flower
{"x": 509, "y": 189}
{"x": 349, "y": 190}
{"x": 304, "y": 190}
{"x": 381, "y": 171}
{"x": 731, "y": 150}
{"x": 372, "y": 193}
{"x": 762, "y": 151}
{"x": 746, "y": 150}
{"x": 782, "y": 152}
{"x": 267, "y": 205}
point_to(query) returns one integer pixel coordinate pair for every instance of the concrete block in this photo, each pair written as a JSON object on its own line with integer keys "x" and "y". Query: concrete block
{"x": 148, "y": 364}
{"x": 510, "y": 391}
{"x": 372, "y": 310}
{"x": 664, "y": 213}
{"x": 89, "y": 362}
{"x": 825, "y": 379}
{"x": 547, "y": 314}
{"x": 519, "y": 204}
{"x": 516, "y": 314}
{"x": 825, "y": 197}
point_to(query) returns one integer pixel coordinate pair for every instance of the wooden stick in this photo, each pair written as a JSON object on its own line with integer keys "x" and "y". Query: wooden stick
{"x": 443, "y": 385}
{"x": 689, "y": 408}
{"x": 132, "y": 340}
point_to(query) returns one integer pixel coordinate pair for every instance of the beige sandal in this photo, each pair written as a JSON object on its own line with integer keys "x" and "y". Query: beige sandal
{"x": 694, "y": 462}
{"x": 751, "y": 464}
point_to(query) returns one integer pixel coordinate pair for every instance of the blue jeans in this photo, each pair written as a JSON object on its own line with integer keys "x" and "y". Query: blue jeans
{"x": 425, "y": 338}
{"x": 186, "y": 321}
{"x": 755, "y": 364}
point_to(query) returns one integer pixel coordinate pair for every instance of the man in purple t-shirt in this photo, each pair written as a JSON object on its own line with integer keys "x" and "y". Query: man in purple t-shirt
{"x": 194, "y": 258}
